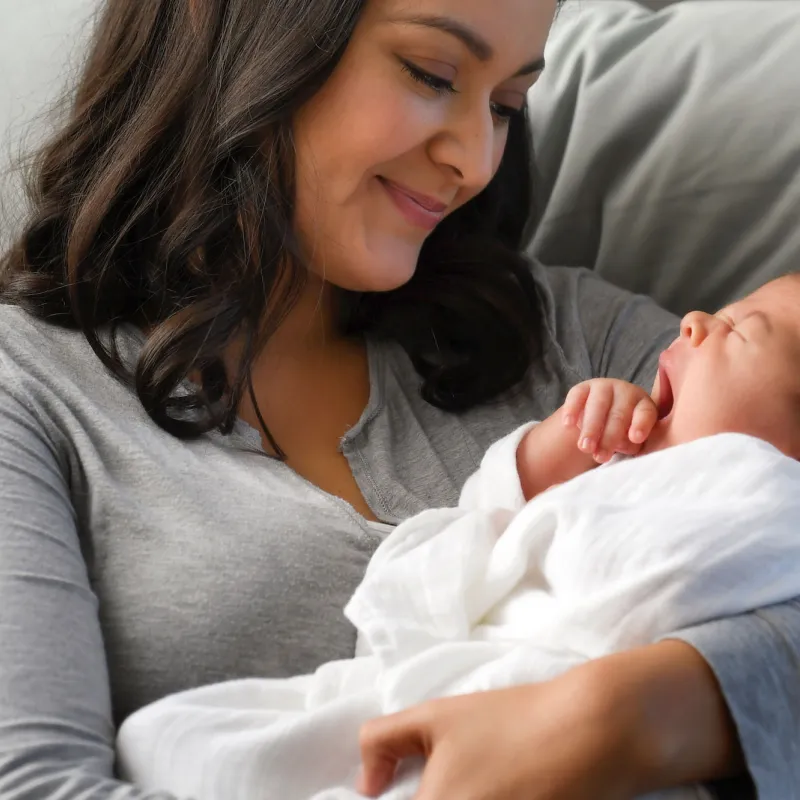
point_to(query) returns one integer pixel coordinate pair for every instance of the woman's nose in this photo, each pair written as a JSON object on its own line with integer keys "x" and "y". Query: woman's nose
{"x": 470, "y": 149}
{"x": 696, "y": 326}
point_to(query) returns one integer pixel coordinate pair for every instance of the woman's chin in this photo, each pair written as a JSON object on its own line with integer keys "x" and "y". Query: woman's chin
{"x": 378, "y": 274}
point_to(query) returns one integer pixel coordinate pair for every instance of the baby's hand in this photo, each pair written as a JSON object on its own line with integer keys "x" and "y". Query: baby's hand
{"x": 613, "y": 417}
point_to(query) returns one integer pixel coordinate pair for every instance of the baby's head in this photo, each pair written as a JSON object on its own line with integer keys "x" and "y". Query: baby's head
{"x": 736, "y": 371}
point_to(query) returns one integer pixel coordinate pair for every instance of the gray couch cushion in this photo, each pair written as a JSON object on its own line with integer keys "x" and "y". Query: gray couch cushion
{"x": 668, "y": 146}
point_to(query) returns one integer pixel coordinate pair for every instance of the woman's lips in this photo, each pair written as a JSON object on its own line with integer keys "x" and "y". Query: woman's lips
{"x": 417, "y": 209}
{"x": 666, "y": 397}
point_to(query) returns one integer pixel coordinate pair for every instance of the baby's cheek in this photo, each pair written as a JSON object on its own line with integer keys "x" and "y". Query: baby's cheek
{"x": 724, "y": 411}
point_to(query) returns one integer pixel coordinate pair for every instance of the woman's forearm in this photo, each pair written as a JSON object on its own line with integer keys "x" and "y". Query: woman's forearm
{"x": 680, "y": 729}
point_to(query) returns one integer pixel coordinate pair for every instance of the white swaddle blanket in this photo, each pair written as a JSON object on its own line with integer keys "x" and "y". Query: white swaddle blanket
{"x": 491, "y": 594}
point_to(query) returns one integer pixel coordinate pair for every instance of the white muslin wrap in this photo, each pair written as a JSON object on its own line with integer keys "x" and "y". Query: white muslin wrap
{"x": 491, "y": 594}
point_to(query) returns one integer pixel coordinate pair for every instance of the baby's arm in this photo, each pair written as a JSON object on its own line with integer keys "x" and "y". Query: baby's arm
{"x": 600, "y": 417}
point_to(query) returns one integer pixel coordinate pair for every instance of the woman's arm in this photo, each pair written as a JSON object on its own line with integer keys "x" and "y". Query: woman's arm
{"x": 681, "y": 724}
{"x": 614, "y": 728}
{"x": 56, "y": 730}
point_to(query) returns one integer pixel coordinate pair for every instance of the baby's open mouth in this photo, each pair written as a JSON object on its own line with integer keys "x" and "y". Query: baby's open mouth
{"x": 666, "y": 398}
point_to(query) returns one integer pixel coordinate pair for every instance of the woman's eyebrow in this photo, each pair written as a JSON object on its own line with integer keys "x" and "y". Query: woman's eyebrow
{"x": 470, "y": 38}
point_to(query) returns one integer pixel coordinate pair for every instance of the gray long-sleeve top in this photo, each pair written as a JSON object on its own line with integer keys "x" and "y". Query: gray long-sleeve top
{"x": 133, "y": 565}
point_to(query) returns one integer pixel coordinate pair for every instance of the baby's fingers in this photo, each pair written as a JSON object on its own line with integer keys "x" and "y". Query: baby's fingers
{"x": 644, "y": 418}
{"x": 617, "y": 425}
{"x": 595, "y": 414}
{"x": 575, "y": 403}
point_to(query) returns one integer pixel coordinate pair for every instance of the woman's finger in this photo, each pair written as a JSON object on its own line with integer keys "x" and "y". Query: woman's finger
{"x": 595, "y": 414}
{"x": 387, "y": 741}
{"x": 575, "y": 403}
{"x": 443, "y": 780}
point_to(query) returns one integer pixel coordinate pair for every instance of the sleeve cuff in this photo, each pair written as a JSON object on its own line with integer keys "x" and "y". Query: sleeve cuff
{"x": 756, "y": 659}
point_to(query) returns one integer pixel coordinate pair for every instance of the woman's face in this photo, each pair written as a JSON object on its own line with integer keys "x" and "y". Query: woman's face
{"x": 411, "y": 125}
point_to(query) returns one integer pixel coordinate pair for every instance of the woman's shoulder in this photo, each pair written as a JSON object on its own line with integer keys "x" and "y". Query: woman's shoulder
{"x": 49, "y": 368}
{"x": 24, "y": 337}
{"x": 33, "y": 347}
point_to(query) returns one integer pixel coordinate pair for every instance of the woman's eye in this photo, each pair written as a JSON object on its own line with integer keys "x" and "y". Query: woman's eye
{"x": 502, "y": 113}
{"x": 439, "y": 85}
{"x": 505, "y": 114}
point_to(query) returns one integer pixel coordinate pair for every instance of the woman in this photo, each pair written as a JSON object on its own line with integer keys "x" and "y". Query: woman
{"x": 268, "y": 303}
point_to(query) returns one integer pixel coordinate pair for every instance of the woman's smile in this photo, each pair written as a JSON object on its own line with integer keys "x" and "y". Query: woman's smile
{"x": 417, "y": 209}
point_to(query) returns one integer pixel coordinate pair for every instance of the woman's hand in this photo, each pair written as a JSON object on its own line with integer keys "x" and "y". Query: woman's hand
{"x": 613, "y": 729}
{"x": 613, "y": 416}
{"x": 558, "y": 740}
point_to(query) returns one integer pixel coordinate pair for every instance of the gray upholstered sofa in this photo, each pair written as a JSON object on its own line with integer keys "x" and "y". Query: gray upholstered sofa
{"x": 668, "y": 145}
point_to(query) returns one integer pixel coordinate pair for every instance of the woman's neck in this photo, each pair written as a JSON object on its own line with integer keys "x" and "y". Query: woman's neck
{"x": 310, "y": 386}
{"x": 311, "y": 324}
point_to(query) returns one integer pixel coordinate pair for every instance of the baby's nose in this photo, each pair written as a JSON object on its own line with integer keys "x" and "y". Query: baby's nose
{"x": 697, "y": 325}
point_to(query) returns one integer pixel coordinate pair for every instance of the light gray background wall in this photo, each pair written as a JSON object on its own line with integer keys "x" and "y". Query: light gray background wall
{"x": 40, "y": 45}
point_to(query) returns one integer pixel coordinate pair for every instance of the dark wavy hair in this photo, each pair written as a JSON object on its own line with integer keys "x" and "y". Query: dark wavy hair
{"x": 166, "y": 201}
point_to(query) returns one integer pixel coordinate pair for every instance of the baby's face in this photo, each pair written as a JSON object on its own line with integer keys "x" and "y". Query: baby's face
{"x": 736, "y": 371}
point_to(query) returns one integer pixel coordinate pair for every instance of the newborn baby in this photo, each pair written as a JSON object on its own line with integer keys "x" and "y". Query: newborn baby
{"x": 546, "y": 563}
{"x": 735, "y": 372}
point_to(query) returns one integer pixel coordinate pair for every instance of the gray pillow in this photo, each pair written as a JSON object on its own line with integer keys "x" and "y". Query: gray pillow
{"x": 668, "y": 146}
